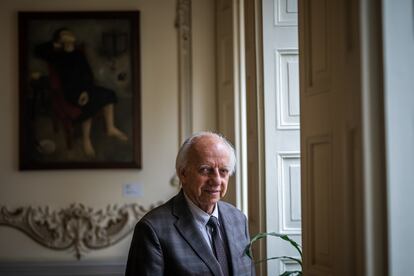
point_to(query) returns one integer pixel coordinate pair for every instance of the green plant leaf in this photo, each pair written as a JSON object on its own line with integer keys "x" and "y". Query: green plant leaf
{"x": 288, "y": 273}
{"x": 248, "y": 251}
{"x": 281, "y": 257}
{"x": 259, "y": 236}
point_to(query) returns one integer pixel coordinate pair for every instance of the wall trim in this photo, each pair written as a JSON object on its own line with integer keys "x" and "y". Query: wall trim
{"x": 75, "y": 228}
{"x": 62, "y": 268}
{"x": 185, "y": 78}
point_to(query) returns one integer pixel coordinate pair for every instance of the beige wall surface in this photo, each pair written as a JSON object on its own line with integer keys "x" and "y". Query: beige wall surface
{"x": 159, "y": 113}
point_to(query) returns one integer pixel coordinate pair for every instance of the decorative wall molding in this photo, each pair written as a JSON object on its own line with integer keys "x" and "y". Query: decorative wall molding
{"x": 77, "y": 227}
{"x": 185, "y": 79}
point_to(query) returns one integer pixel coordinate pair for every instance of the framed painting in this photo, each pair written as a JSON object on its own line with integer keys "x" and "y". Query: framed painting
{"x": 79, "y": 82}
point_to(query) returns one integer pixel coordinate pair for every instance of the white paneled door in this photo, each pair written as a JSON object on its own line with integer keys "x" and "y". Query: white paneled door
{"x": 282, "y": 137}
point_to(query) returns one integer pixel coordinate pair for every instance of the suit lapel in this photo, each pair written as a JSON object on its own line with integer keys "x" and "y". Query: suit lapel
{"x": 234, "y": 244}
{"x": 187, "y": 228}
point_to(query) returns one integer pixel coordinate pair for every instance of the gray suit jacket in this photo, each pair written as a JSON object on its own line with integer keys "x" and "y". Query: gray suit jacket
{"x": 166, "y": 241}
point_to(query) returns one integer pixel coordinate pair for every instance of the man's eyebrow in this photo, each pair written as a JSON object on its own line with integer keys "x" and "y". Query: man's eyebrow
{"x": 227, "y": 167}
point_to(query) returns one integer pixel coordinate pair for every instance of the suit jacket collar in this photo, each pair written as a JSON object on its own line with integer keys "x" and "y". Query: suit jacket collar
{"x": 186, "y": 226}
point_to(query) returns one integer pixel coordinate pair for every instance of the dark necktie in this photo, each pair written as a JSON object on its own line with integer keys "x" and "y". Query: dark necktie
{"x": 218, "y": 244}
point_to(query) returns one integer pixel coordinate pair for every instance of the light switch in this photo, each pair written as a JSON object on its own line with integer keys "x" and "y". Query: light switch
{"x": 132, "y": 190}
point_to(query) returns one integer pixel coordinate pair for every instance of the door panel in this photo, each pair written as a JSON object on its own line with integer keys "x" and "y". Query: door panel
{"x": 330, "y": 95}
{"x": 282, "y": 124}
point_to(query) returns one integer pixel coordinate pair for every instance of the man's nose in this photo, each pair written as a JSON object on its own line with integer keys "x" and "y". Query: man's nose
{"x": 215, "y": 177}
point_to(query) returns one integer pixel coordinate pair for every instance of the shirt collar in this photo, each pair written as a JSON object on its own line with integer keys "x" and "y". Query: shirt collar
{"x": 198, "y": 214}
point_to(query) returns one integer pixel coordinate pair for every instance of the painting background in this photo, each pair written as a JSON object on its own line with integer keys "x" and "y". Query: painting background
{"x": 114, "y": 73}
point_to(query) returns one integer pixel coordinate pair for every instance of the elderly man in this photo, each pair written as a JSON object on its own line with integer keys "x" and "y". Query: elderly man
{"x": 195, "y": 233}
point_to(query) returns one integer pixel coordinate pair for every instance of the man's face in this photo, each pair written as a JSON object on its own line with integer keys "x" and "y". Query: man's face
{"x": 67, "y": 36}
{"x": 67, "y": 40}
{"x": 205, "y": 178}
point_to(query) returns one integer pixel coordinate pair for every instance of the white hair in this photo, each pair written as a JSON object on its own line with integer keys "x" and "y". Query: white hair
{"x": 182, "y": 157}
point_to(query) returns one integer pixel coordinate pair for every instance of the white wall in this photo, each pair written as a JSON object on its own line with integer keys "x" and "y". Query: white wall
{"x": 204, "y": 82}
{"x": 159, "y": 96}
{"x": 399, "y": 103}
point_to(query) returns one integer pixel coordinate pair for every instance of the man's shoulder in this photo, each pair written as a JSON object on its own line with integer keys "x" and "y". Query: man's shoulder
{"x": 160, "y": 212}
{"x": 229, "y": 208}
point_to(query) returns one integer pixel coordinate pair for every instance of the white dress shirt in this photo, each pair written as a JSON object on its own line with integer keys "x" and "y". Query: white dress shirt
{"x": 201, "y": 218}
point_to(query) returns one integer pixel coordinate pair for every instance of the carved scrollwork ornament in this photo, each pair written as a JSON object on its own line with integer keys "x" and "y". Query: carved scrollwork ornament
{"x": 78, "y": 228}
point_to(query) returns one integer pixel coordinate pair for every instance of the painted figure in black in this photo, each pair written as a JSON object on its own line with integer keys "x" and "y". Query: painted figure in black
{"x": 77, "y": 83}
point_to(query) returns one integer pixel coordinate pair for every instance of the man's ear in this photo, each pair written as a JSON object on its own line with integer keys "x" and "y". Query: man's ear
{"x": 182, "y": 175}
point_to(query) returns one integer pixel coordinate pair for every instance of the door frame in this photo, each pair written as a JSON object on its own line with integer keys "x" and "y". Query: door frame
{"x": 374, "y": 259}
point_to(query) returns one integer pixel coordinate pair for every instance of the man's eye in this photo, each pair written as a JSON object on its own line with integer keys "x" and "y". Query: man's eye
{"x": 224, "y": 171}
{"x": 204, "y": 170}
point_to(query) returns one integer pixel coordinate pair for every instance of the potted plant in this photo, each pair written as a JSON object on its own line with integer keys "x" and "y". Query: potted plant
{"x": 298, "y": 248}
